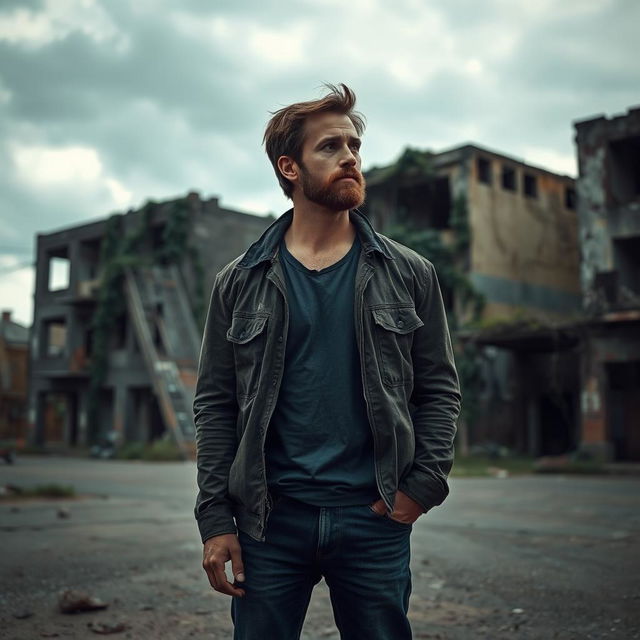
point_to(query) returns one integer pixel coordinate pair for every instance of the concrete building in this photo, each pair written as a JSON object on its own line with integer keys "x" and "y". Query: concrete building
{"x": 522, "y": 256}
{"x": 14, "y": 347}
{"x": 118, "y": 308}
{"x": 609, "y": 221}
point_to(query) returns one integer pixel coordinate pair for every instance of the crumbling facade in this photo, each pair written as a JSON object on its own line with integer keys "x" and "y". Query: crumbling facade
{"x": 609, "y": 221}
{"x": 118, "y": 307}
{"x": 14, "y": 347}
{"x": 522, "y": 256}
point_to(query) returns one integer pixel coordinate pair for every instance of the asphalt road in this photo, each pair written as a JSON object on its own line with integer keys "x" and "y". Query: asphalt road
{"x": 528, "y": 557}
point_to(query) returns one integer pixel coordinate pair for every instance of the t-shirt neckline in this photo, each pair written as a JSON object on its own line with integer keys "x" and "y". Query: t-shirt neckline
{"x": 293, "y": 261}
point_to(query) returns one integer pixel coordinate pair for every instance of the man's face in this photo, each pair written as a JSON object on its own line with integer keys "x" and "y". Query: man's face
{"x": 330, "y": 167}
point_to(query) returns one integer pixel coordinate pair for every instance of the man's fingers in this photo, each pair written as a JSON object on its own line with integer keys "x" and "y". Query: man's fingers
{"x": 379, "y": 507}
{"x": 223, "y": 585}
{"x": 217, "y": 551}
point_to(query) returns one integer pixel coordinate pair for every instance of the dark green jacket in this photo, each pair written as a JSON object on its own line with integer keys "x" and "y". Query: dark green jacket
{"x": 410, "y": 382}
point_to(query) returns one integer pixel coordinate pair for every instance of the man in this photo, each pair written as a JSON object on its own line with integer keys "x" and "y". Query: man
{"x": 326, "y": 400}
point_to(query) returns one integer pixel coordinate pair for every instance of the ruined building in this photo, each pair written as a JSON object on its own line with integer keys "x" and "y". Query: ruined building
{"x": 14, "y": 346}
{"x": 509, "y": 230}
{"x": 118, "y": 310}
{"x": 609, "y": 222}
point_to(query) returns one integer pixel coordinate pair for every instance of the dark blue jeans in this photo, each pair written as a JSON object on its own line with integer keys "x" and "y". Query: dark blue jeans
{"x": 363, "y": 556}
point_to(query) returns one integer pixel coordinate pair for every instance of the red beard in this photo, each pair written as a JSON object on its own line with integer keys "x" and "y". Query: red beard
{"x": 335, "y": 194}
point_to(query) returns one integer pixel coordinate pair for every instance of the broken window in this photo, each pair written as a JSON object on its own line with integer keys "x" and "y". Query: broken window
{"x": 120, "y": 332}
{"x": 508, "y": 178}
{"x": 626, "y": 257}
{"x": 570, "y": 198}
{"x": 89, "y": 259}
{"x": 530, "y": 185}
{"x": 55, "y": 337}
{"x": 426, "y": 204}
{"x": 483, "y": 168}
{"x": 59, "y": 270}
{"x": 624, "y": 168}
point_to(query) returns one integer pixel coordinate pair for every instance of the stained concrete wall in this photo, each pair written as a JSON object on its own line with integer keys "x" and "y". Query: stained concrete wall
{"x": 524, "y": 251}
{"x": 604, "y": 213}
{"x": 609, "y": 214}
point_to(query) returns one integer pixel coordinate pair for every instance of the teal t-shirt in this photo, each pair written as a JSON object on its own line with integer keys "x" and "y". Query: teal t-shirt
{"x": 319, "y": 446}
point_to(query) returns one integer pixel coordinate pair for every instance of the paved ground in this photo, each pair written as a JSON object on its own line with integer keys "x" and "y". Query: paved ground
{"x": 530, "y": 557}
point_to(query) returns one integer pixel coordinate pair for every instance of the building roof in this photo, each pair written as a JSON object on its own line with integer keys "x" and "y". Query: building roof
{"x": 378, "y": 175}
{"x": 13, "y": 332}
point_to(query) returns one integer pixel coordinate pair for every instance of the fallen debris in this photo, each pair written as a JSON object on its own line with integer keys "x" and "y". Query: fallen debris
{"x": 21, "y": 615}
{"x": 105, "y": 628}
{"x": 74, "y": 601}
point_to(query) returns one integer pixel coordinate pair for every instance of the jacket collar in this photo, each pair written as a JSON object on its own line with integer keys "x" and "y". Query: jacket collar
{"x": 266, "y": 246}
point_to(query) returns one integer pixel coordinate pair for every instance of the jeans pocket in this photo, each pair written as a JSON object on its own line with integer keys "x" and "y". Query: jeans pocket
{"x": 388, "y": 518}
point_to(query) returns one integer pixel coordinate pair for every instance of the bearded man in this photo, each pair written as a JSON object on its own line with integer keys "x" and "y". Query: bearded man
{"x": 326, "y": 400}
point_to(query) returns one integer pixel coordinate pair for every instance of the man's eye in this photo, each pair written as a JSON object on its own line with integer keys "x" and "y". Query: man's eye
{"x": 330, "y": 146}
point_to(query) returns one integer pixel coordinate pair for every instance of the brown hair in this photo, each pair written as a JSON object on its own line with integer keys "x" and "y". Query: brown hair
{"x": 284, "y": 134}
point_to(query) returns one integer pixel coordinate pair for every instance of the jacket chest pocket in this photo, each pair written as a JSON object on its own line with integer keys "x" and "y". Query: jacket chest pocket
{"x": 248, "y": 335}
{"x": 393, "y": 327}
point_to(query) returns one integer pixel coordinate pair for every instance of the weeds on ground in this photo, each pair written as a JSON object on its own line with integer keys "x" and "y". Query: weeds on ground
{"x": 485, "y": 466}
{"x": 157, "y": 451}
{"x": 51, "y": 490}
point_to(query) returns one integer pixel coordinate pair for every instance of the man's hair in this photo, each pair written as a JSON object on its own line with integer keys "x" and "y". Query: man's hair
{"x": 284, "y": 134}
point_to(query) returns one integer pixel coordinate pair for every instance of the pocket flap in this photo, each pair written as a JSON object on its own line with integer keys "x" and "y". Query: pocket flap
{"x": 397, "y": 319}
{"x": 246, "y": 328}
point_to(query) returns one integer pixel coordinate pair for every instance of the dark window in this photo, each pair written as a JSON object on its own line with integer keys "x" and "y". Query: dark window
{"x": 569, "y": 198}
{"x": 508, "y": 178}
{"x": 120, "y": 332}
{"x": 425, "y": 204}
{"x": 530, "y": 185}
{"x": 483, "y": 166}
{"x": 624, "y": 169}
{"x": 626, "y": 259}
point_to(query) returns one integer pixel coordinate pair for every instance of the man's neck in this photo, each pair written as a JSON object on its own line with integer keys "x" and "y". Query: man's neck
{"x": 315, "y": 230}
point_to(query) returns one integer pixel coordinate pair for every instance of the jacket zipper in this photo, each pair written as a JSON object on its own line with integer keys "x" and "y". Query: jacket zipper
{"x": 360, "y": 326}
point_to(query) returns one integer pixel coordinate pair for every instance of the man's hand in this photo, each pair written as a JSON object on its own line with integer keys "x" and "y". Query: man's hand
{"x": 217, "y": 551}
{"x": 405, "y": 509}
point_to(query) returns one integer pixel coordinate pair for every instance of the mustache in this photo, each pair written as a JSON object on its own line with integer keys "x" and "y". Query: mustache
{"x": 356, "y": 175}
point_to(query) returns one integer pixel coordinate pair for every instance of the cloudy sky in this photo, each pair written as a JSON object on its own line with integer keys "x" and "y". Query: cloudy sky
{"x": 106, "y": 103}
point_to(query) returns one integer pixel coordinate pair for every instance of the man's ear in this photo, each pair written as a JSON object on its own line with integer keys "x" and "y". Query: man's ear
{"x": 289, "y": 168}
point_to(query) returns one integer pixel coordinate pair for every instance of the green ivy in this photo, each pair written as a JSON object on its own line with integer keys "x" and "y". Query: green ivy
{"x": 451, "y": 263}
{"x": 134, "y": 249}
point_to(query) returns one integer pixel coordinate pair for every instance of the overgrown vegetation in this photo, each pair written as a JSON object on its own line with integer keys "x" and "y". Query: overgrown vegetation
{"x": 51, "y": 490}
{"x": 162, "y": 450}
{"x": 451, "y": 262}
{"x": 136, "y": 249}
{"x": 486, "y": 466}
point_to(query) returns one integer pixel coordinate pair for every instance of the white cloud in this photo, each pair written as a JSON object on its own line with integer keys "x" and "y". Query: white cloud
{"x": 43, "y": 165}
{"x": 56, "y": 21}
{"x": 74, "y": 168}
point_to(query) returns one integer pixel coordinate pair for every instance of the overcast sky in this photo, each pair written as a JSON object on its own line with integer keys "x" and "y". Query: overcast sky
{"x": 106, "y": 103}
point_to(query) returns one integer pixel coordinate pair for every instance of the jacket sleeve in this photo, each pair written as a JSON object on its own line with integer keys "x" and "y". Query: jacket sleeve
{"x": 215, "y": 414}
{"x": 436, "y": 398}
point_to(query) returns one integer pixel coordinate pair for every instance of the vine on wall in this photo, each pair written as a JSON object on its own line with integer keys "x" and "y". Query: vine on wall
{"x": 451, "y": 262}
{"x": 134, "y": 249}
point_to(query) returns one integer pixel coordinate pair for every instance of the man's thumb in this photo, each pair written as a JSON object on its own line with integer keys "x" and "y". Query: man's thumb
{"x": 236, "y": 567}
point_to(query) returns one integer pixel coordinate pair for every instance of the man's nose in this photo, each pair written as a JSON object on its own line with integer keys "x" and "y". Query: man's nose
{"x": 348, "y": 158}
